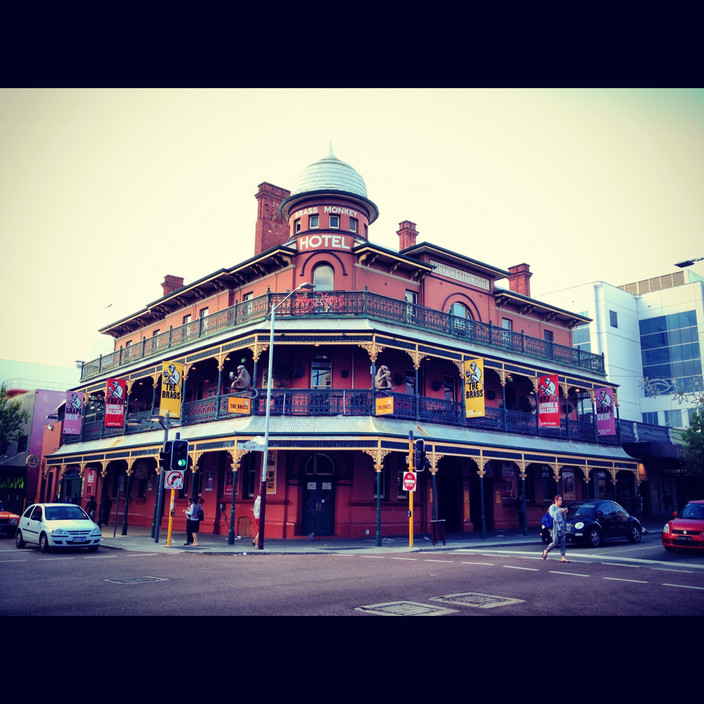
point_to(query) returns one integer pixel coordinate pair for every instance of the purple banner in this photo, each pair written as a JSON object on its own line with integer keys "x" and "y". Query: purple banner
{"x": 605, "y": 420}
{"x": 73, "y": 413}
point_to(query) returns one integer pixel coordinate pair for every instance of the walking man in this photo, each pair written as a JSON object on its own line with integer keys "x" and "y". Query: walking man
{"x": 559, "y": 529}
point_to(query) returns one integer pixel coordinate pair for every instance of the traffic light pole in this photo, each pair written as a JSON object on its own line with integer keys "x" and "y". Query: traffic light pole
{"x": 410, "y": 493}
{"x": 162, "y": 476}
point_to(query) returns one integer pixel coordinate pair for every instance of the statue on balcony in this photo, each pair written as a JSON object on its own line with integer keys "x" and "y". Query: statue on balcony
{"x": 241, "y": 382}
{"x": 383, "y": 378}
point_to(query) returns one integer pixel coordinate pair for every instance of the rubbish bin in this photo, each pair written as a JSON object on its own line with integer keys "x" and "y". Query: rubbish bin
{"x": 437, "y": 531}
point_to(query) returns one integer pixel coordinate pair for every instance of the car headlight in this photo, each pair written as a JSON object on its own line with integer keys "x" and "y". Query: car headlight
{"x": 666, "y": 528}
{"x": 13, "y": 521}
{"x": 95, "y": 532}
{"x": 60, "y": 532}
{"x": 579, "y": 525}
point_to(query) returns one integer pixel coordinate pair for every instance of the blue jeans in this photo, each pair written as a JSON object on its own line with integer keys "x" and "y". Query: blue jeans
{"x": 558, "y": 541}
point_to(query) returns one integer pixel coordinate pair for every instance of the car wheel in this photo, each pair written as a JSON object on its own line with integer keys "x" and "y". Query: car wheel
{"x": 594, "y": 537}
{"x": 634, "y": 534}
{"x": 19, "y": 540}
{"x": 43, "y": 543}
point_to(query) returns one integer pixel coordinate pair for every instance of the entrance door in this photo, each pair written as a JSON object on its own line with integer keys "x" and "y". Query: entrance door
{"x": 319, "y": 496}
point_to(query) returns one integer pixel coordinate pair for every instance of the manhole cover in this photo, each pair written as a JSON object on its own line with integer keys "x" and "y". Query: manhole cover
{"x": 135, "y": 580}
{"x": 480, "y": 601}
{"x": 404, "y": 608}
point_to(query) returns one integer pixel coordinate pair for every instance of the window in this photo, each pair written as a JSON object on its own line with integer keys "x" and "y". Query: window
{"x": 411, "y": 301}
{"x": 548, "y": 335}
{"x": 297, "y": 226}
{"x": 410, "y": 381}
{"x": 203, "y": 314}
{"x": 673, "y": 419}
{"x": 313, "y": 221}
{"x": 670, "y": 349}
{"x": 321, "y": 373}
{"x": 651, "y": 417}
{"x": 155, "y": 333}
{"x": 449, "y": 384}
{"x": 459, "y": 310}
{"x": 334, "y": 221}
{"x": 186, "y": 319}
{"x": 324, "y": 277}
{"x": 581, "y": 338}
{"x": 353, "y": 225}
{"x": 613, "y": 318}
{"x": 507, "y": 325}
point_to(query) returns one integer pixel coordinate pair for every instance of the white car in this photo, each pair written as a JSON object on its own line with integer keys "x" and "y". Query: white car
{"x": 57, "y": 525}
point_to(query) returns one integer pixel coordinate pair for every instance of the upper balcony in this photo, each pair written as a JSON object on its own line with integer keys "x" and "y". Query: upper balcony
{"x": 354, "y": 402}
{"x": 358, "y": 304}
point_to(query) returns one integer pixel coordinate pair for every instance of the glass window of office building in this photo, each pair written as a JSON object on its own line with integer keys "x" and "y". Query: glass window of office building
{"x": 670, "y": 349}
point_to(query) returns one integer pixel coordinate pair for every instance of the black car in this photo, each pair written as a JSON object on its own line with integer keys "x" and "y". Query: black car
{"x": 593, "y": 522}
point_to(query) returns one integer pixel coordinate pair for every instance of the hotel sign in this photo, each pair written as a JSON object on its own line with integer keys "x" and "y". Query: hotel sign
{"x": 324, "y": 241}
{"x": 452, "y": 273}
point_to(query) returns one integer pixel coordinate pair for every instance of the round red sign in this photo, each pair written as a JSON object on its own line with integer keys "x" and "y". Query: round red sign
{"x": 409, "y": 481}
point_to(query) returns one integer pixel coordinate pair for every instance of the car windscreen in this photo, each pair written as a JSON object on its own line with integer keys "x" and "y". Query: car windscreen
{"x": 693, "y": 511}
{"x": 65, "y": 513}
{"x": 584, "y": 510}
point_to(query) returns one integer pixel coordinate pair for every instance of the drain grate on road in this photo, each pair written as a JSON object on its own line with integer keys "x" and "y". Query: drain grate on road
{"x": 404, "y": 608}
{"x": 135, "y": 580}
{"x": 480, "y": 601}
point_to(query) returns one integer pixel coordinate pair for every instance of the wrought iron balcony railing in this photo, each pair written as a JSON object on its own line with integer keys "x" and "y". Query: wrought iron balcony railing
{"x": 358, "y": 304}
{"x": 356, "y": 402}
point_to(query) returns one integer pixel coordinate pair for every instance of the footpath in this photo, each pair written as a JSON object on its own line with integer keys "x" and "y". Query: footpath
{"x": 141, "y": 539}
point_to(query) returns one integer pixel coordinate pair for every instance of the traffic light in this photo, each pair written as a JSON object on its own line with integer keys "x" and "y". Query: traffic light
{"x": 165, "y": 455}
{"x": 420, "y": 461}
{"x": 179, "y": 455}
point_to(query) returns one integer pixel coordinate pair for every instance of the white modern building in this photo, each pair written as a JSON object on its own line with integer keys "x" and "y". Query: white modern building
{"x": 651, "y": 333}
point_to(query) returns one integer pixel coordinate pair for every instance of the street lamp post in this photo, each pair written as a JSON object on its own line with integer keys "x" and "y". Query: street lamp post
{"x": 265, "y": 459}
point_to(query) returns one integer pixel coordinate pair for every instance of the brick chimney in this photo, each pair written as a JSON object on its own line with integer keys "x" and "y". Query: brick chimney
{"x": 271, "y": 229}
{"x": 519, "y": 280}
{"x": 171, "y": 284}
{"x": 407, "y": 234}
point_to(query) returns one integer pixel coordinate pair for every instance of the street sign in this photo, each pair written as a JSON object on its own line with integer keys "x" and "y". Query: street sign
{"x": 174, "y": 479}
{"x": 253, "y": 445}
{"x": 409, "y": 481}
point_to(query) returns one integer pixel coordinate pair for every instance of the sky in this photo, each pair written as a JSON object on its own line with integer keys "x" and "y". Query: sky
{"x": 103, "y": 192}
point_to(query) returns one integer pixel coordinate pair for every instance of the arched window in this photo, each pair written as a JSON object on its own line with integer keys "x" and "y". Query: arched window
{"x": 324, "y": 277}
{"x": 460, "y": 311}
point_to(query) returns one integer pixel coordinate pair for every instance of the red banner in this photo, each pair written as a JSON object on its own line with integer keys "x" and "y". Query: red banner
{"x": 605, "y": 419}
{"x": 115, "y": 397}
{"x": 548, "y": 402}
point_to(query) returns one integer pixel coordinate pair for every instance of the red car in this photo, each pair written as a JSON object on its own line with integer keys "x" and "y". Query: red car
{"x": 686, "y": 529}
{"x": 8, "y": 521}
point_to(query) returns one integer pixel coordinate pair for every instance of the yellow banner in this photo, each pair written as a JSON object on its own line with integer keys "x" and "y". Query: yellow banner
{"x": 384, "y": 405}
{"x": 238, "y": 404}
{"x": 171, "y": 389}
{"x": 474, "y": 387}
